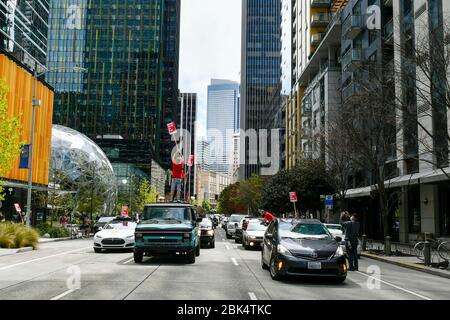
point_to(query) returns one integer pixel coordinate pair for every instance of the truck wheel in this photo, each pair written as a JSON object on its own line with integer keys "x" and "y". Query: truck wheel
{"x": 197, "y": 250}
{"x": 228, "y": 236}
{"x": 213, "y": 245}
{"x": 191, "y": 257}
{"x": 138, "y": 257}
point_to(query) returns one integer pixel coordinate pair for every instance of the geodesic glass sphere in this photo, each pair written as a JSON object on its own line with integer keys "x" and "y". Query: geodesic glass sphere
{"x": 81, "y": 176}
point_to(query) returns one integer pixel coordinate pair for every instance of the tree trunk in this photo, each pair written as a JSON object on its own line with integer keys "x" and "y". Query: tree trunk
{"x": 384, "y": 208}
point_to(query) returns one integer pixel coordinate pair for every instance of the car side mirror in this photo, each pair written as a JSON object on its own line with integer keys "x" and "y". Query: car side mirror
{"x": 338, "y": 239}
{"x": 100, "y": 228}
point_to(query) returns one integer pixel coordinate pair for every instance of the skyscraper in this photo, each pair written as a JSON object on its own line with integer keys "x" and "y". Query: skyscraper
{"x": 23, "y": 31}
{"x": 130, "y": 90}
{"x": 260, "y": 77}
{"x": 222, "y": 123}
{"x": 188, "y": 117}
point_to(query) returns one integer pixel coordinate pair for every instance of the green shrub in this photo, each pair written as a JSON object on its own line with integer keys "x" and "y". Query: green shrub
{"x": 14, "y": 236}
{"x": 54, "y": 232}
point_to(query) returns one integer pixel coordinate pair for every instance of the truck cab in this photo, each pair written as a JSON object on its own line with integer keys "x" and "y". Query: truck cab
{"x": 168, "y": 228}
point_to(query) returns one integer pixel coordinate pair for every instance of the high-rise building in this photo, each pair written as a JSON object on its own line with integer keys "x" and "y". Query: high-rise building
{"x": 23, "y": 31}
{"x": 260, "y": 79}
{"x": 203, "y": 155}
{"x": 222, "y": 123}
{"x": 130, "y": 90}
{"x": 188, "y": 117}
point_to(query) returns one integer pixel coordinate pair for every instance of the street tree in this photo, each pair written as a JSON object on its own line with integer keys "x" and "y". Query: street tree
{"x": 10, "y": 136}
{"x": 250, "y": 194}
{"x": 228, "y": 200}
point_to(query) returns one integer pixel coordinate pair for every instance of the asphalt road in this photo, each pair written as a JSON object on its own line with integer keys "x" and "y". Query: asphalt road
{"x": 227, "y": 272}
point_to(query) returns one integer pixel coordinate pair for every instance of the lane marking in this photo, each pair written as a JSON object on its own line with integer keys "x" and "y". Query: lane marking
{"x": 235, "y": 262}
{"x": 62, "y": 295}
{"x": 395, "y": 286}
{"x": 252, "y": 296}
{"x": 227, "y": 246}
{"x": 40, "y": 259}
{"x": 128, "y": 261}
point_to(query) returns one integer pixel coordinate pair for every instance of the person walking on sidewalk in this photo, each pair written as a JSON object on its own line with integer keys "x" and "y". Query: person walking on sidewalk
{"x": 351, "y": 229}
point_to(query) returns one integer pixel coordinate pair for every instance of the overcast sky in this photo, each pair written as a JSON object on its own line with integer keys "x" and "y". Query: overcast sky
{"x": 210, "y": 47}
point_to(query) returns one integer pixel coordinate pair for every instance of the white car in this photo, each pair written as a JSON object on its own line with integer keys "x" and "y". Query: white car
{"x": 118, "y": 234}
{"x": 234, "y": 220}
{"x": 336, "y": 230}
{"x": 254, "y": 234}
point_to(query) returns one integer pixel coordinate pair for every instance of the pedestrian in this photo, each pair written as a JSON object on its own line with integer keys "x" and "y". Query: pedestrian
{"x": 64, "y": 220}
{"x": 177, "y": 176}
{"x": 351, "y": 230}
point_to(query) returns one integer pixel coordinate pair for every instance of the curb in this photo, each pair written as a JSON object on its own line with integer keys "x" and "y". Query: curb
{"x": 45, "y": 240}
{"x": 407, "y": 265}
{"x": 26, "y": 249}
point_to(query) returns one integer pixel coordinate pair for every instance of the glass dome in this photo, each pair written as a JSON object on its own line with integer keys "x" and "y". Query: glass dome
{"x": 81, "y": 175}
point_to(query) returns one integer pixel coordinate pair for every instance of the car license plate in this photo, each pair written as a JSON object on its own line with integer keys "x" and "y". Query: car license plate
{"x": 314, "y": 265}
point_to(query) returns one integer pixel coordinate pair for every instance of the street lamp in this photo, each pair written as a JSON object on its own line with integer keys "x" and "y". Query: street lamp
{"x": 37, "y": 103}
{"x": 125, "y": 181}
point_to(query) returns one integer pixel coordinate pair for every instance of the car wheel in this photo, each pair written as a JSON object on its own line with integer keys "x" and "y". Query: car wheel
{"x": 197, "y": 250}
{"x": 228, "y": 236}
{"x": 263, "y": 264}
{"x": 213, "y": 245}
{"x": 191, "y": 257}
{"x": 97, "y": 250}
{"x": 138, "y": 257}
{"x": 274, "y": 271}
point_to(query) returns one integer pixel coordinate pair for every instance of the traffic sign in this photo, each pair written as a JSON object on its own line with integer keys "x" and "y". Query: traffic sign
{"x": 17, "y": 206}
{"x": 191, "y": 160}
{"x": 293, "y": 196}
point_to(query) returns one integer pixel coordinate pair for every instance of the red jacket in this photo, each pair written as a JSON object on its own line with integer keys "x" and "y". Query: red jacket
{"x": 178, "y": 170}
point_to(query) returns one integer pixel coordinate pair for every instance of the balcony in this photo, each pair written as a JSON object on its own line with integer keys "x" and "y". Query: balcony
{"x": 320, "y": 3}
{"x": 350, "y": 90}
{"x": 351, "y": 61}
{"x": 320, "y": 20}
{"x": 317, "y": 38}
{"x": 352, "y": 27}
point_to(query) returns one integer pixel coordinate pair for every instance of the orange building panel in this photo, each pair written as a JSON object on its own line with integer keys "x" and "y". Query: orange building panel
{"x": 20, "y": 84}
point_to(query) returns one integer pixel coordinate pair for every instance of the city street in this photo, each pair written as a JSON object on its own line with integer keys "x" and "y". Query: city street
{"x": 227, "y": 272}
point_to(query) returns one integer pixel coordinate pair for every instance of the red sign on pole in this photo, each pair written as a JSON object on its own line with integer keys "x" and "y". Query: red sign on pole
{"x": 191, "y": 160}
{"x": 172, "y": 127}
{"x": 18, "y": 209}
{"x": 293, "y": 196}
{"x": 124, "y": 212}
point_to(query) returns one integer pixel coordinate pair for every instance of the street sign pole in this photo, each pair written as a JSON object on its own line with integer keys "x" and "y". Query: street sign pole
{"x": 295, "y": 209}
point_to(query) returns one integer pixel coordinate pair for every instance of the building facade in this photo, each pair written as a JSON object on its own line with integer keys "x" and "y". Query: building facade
{"x": 203, "y": 152}
{"x": 130, "y": 90}
{"x": 23, "y": 31}
{"x": 223, "y": 112}
{"x": 188, "y": 120}
{"x": 260, "y": 80}
{"x": 210, "y": 185}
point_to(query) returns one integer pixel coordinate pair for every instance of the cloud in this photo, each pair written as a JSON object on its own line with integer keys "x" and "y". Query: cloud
{"x": 210, "y": 47}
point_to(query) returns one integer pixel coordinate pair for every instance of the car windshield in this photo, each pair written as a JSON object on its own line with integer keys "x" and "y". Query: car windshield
{"x": 305, "y": 231}
{"x": 256, "y": 226}
{"x": 121, "y": 225}
{"x": 236, "y": 218}
{"x": 105, "y": 220}
{"x": 334, "y": 227}
{"x": 155, "y": 214}
{"x": 206, "y": 222}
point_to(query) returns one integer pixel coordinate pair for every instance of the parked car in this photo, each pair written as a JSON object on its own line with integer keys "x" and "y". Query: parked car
{"x": 254, "y": 233}
{"x": 207, "y": 233}
{"x": 338, "y": 231}
{"x": 233, "y": 223}
{"x": 302, "y": 248}
{"x": 102, "y": 222}
{"x": 117, "y": 234}
{"x": 168, "y": 228}
{"x": 239, "y": 231}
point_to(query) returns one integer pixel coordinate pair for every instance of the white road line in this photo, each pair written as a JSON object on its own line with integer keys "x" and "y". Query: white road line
{"x": 128, "y": 261}
{"x": 40, "y": 259}
{"x": 234, "y": 261}
{"x": 62, "y": 295}
{"x": 252, "y": 296}
{"x": 227, "y": 246}
{"x": 395, "y": 286}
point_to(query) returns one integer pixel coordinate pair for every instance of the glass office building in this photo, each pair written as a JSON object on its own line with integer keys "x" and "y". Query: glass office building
{"x": 24, "y": 29}
{"x": 260, "y": 74}
{"x": 128, "y": 91}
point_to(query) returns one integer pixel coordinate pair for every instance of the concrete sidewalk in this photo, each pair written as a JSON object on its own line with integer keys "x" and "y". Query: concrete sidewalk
{"x": 46, "y": 240}
{"x": 410, "y": 263}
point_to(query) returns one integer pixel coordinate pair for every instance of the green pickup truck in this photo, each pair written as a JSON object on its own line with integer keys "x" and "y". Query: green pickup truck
{"x": 168, "y": 228}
